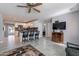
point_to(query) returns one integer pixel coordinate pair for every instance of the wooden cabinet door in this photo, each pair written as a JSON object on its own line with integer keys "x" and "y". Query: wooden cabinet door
{"x": 57, "y": 37}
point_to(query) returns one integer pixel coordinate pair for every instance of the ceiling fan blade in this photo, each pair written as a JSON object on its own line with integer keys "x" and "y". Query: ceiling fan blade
{"x": 37, "y": 4}
{"x": 29, "y": 10}
{"x": 28, "y": 4}
{"x": 22, "y": 6}
{"x": 34, "y": 4}
{"x": 36, "y": 10}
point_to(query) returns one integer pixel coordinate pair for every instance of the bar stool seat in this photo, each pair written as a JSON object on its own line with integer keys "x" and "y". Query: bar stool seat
{"x": 31, "y": 36}
{"x": 25, "y": 36}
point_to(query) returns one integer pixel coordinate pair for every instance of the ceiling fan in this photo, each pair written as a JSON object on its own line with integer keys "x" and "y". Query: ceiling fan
{"x": 31, "y": 6}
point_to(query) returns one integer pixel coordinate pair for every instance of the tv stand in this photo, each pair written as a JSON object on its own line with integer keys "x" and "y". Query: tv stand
{"x": 57, "y": 37}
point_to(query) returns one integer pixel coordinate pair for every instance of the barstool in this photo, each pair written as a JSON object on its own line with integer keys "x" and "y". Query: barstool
{"x": 25, "y": 36}
{"x": 31, "y": 35}
{"x": 37, "y": 35}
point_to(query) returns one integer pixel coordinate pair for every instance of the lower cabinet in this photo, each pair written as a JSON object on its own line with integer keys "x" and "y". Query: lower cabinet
{"x": 57, "y": 37}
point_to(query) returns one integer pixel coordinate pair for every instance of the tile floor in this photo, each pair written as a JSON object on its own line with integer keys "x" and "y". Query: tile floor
{"x": 44, "y": 45}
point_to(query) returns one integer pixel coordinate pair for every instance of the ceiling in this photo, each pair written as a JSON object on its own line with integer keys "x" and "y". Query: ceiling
{"x": 10, "y": 12}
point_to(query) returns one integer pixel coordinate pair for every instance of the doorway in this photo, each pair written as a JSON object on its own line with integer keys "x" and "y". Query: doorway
{"x": 10, "y": 29}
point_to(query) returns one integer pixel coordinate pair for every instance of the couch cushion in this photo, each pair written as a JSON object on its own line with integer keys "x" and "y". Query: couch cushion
{"x": 72, "y": 52}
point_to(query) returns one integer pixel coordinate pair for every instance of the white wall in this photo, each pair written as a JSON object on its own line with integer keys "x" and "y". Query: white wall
{"x": 48, "y": 28}
{"x": 71, "y": 34}
{"x": 1, "y": 28}
{"x": 39, "y": 25}
{"x": 6, "y": 30}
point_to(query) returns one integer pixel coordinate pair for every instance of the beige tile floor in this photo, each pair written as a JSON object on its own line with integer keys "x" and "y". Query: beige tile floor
{"x": 44, "y": 45}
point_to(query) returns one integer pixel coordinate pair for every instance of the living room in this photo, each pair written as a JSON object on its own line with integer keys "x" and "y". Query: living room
{"x": 43, "y": 21}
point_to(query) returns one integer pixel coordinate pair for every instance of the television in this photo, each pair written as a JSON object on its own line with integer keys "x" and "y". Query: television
{"x": 55, "y": 26}
{"x": 62, "y": 25}
{"x": 59, "y": 25}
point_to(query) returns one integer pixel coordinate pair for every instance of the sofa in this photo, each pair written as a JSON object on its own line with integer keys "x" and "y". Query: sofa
{"x": 72, "y": 49}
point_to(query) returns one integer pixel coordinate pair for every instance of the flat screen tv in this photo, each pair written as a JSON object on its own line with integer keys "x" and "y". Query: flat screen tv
{"x": 62, "y": 25}
{"x": 59, "y": 25}
{"x": 55, "y": 26}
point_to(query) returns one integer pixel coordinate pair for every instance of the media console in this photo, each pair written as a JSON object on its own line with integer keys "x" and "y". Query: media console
{"x": 57, "y": 37}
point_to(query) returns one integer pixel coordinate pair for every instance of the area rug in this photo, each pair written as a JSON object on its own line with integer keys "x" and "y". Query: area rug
{"x": 23, "y": 51}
